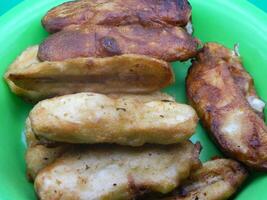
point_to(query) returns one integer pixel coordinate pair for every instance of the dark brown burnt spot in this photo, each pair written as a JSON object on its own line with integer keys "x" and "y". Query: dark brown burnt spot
{"x": 254, "y": 142}
{"x": 165, "y": 100}
{"x": 122, "y": 109}
{"x": 209, "y": 108}
{"x": 182, "y": 4}
{"x": 183, "y": 192}
{"x": 136, "y": 190}
{"x": 110, "y": 46}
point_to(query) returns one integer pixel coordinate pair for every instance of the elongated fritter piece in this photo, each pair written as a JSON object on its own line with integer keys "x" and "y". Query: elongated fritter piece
{"x": 96, "y": 118}
{"x": 118, "y": 12}
{"x": 39, "y": 155}
{"x": 215, "y": 180}
{"x": 116, "y": 172}
{"x": 35, "y": 80}
{"x": 224, "y": 108}
{"x": 165, "y": 43}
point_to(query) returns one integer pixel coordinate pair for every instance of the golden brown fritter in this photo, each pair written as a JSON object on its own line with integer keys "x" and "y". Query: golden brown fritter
{"x": 35, "y": 80}
{"x": 224, "y": 109}
{"x": 165, "y": 43}
{"x": 116, "y": 172}
{"x": 215, "y": 180}
{"x": 96, "y": 118}
{"x": 118, "y": 12}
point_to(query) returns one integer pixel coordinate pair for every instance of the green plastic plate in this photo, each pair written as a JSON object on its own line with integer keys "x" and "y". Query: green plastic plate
{"x": 227, "y": 22}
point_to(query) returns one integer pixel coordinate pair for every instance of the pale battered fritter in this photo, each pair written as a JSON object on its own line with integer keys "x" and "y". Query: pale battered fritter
{"x": 35, "y": 80}
{"x": 96, "y": 118}
{"x": 116, "y": 172}
{"x": 223, "y": 106}
{"x": 38, "y": 155}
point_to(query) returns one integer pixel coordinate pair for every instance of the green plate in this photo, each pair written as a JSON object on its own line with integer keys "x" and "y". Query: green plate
{"x": 227, "y": 22}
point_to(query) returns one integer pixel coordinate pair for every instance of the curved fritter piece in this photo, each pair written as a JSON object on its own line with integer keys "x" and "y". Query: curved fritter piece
{"x": 116, "y": 172}
{"x": 118, "y": 12}
{"x": 224, "y": 109}
{"x": 35, "y": 80}
{"x": 215, "y": 180}
{"x": 38, "y": 155}
{"x": 95, "y": 118}
{"x": 165, "y": 43}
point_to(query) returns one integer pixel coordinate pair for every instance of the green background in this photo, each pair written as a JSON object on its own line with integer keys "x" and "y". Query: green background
{"x": 5, "y": 5}
{"x": 224, "y": 21}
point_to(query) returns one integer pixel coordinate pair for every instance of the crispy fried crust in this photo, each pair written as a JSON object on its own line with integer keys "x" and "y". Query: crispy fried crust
{"x": 215, "y": 180}
{"x": 38, "y": 155}
{"x": 35, "y": 80}
{"x": 116, "y": 172}
{"x": 95, "y": 118}
{"x": 224, "y": 109}
{"x": 241, "y": 77}
{"x": 166, "y": 43}
{"x": 118, "y": 12}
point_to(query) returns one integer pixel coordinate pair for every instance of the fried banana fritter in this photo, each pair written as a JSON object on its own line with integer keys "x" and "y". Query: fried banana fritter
{"x": 116, "y": 172}
{"x": 38, "y": 155}
{"x": 165, "y": 43}
{"x": 224, "y": 107}
{"x": 118, "y": 12}
{"x": 95, "y": 118}
{"x": 35, "y": 80}
{"x": 215, "y": 180}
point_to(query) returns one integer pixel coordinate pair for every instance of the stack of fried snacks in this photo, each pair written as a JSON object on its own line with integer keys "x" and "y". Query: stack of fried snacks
{"x": 105, "y": 47}
{"x": 101, "y": 129}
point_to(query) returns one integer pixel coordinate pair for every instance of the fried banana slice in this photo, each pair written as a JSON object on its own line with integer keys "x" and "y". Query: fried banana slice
{"x": 38, "y": 155}
{"x": 35, "y": 80}
{"x": 116, "y": 172}
{"x": 96, "y": 118}
{"x": 215, "y": 180}
{"x": 118, "y": 12}
{"x": 224, "y": 108}
{"x": 165, "y": 43}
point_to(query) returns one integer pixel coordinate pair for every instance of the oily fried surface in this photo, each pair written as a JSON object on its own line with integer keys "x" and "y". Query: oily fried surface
{"x": 215, "y": 180}
{"x": 224, "y": 109}
{"x": 96, "y": 118}
{"x": 116, "y": 172}
{"x": 118, "y": 12}
{"x": 166, "y": 43}
{"x": 38, "y": 155}
{"x": 241, "y": 77}
{"x": 35, "y": 80}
